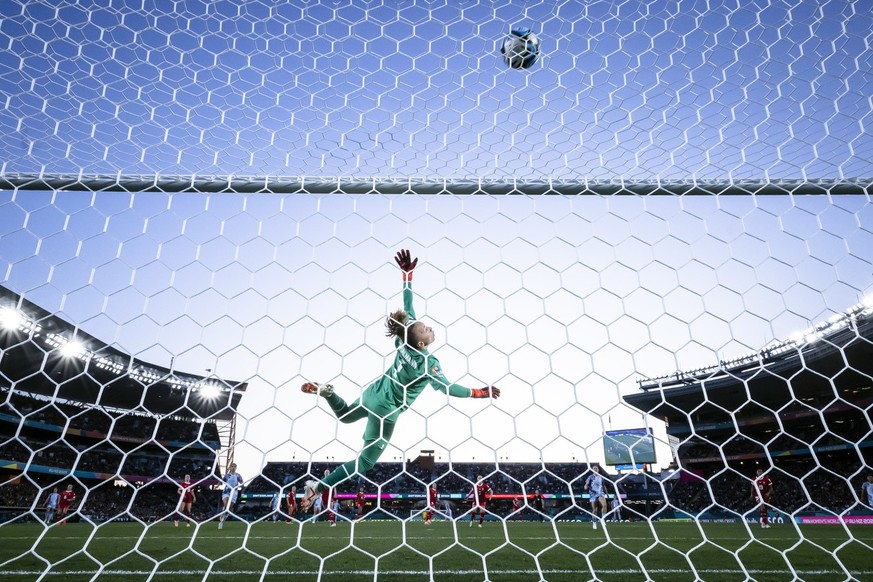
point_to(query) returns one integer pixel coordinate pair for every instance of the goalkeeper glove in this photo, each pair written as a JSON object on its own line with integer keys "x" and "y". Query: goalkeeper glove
{"x": 406, "y": 263}
{"x": 487, "y": 392}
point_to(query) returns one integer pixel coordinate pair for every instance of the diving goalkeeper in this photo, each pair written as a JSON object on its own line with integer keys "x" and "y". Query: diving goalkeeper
{"x": 382, "y": 402}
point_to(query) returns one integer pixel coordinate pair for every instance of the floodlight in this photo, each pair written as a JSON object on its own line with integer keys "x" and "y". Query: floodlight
{"x": 72, "y": 349}
{"x": 210, "y": 391}
{"x": 11, "y": 318}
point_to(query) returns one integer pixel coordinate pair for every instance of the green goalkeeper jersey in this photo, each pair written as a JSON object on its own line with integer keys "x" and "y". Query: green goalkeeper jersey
{"x": 412, "y": 371}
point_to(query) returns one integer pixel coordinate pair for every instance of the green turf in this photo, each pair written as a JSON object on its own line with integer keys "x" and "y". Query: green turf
{"x": 671, "y": 552}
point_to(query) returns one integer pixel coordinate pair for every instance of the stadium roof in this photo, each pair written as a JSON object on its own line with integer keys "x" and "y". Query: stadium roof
{"x": 41, "y": 353}
{"x": 831, "y": 361}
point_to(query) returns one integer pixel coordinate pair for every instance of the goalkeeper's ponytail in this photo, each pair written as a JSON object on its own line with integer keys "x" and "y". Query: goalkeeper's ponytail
{"x": 396, "y": 325}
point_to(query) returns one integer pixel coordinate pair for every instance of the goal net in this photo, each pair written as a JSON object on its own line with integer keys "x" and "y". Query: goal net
{"x": 656, "y": 241}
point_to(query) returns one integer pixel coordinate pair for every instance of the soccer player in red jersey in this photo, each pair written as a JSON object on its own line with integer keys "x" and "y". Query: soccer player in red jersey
{"x": 762, "y": 487}
{"x": 67, "y": 498}
{"x": 326, "y": 502}
{"x": 186, "y": 500}
{"x": 516, "y": 507}
{"x": 292, "y": 503}
{"x": 480, "y": 494}
{"x": 433, "y": 497}
{"x": 359, "y": 503}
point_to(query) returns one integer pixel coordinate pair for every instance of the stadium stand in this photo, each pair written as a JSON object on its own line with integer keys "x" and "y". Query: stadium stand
{"x": 123, "y": 432}
{"x": 798, "y": 409}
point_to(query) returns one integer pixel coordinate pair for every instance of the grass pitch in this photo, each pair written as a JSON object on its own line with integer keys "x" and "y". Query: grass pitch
{"x": 449, "y": 551}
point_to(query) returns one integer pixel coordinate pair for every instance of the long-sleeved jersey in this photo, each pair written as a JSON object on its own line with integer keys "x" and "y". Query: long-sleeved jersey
{"x": 413, "y": 370}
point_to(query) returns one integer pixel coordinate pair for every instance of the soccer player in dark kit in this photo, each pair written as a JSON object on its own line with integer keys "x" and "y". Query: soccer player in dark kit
{"x": 383, "y": 401}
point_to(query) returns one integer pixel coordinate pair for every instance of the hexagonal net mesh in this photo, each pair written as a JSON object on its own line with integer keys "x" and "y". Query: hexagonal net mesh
{"x": 126, "y": 314}
{"x": 601, "y": 236}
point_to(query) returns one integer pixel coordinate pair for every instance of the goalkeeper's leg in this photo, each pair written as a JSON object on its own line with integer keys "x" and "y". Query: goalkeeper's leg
{"x": 376, "y": 437}
{"x": 346, "y": 413}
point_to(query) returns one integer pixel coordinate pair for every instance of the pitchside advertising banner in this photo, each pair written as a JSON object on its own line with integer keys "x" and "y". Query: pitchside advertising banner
{"x": 776, "y": 518}
{"x": 836, "y": 519}
{"x": 631, "y": 446}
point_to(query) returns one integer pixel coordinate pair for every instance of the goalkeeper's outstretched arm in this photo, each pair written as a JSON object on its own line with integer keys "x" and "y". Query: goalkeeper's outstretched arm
{"x": 442, "y": 384}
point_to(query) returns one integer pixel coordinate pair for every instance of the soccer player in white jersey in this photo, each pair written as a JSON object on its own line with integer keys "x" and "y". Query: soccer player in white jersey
{"x": 232, "y": 482}
{"x": 51, "y": 505}
{"x": 615, "y": 507}
{"x": 867, "y": 491}
{"x": 594, "y": 486}
{"x": 275, "y": 504}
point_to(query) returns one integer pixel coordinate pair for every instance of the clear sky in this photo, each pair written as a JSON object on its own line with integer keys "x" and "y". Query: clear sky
{"x": 561, "y": 301}
{"x": 634, "y": 89}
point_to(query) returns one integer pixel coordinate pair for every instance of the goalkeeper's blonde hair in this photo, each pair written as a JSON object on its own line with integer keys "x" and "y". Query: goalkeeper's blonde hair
{"x": 397, "y": 325}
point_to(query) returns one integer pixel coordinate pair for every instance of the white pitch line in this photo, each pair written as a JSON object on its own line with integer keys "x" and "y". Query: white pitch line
{"x": 369, "y": 573}
{"x": 613, "y": 540}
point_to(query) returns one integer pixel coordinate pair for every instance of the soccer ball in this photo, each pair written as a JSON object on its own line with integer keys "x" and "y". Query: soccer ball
{"x": 520, "y": 48}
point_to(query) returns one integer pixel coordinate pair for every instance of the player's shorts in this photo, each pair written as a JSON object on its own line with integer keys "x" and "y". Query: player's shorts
{"x": 596, "y": 497}
{"x": 765, "y": 499}
{"x": 479, "y": 506}
{"x": 228, "y": 495}
{"x": 188, "y": 498}
{"x": 64, "y": 506}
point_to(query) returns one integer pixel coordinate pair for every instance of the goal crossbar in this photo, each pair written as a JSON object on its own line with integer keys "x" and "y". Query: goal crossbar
{"x": 459, "y": 186}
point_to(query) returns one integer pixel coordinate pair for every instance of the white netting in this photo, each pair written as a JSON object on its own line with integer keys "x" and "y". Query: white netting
{"x": 565, "y": 302}
{"x": 606, "y": 216}
{"x": 634, "y": 89}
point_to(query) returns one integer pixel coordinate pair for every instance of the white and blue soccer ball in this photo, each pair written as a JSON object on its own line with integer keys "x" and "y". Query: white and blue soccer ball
{"x": 520, "y": 48}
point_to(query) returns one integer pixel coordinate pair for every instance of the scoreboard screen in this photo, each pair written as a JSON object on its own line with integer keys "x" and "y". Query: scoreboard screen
{"x": 629, "y": 446}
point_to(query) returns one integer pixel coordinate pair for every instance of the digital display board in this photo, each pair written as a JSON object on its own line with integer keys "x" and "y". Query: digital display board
{"x": 629, "y": 446}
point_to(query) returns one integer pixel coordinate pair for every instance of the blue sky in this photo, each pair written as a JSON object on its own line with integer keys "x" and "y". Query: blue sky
{"x": 720, "y": 89}
{"x": 562, "y": 301}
